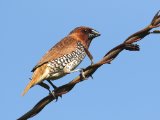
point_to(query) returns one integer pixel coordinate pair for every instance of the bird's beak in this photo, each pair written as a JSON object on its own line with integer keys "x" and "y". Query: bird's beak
{"x": 94, "y": 34}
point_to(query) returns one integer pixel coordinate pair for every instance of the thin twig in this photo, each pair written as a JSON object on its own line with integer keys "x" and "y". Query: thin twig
{"x": 107, "y": 59}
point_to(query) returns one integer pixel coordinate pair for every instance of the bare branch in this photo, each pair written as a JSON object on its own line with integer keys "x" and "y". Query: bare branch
{"x": 107, "y": 59}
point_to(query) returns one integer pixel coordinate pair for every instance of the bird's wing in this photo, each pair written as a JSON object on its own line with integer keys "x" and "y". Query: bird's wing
{"x": 63, "y": 47}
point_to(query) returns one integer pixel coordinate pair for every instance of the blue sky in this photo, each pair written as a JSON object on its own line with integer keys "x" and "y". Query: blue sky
{"x": 128, "y": 89}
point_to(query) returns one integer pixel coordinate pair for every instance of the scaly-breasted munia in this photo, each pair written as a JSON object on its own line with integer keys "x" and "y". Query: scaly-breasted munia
{"x": 64, "y": 57}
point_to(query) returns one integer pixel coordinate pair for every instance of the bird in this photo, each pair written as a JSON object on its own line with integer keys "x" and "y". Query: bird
{"x": 63, "y": 58}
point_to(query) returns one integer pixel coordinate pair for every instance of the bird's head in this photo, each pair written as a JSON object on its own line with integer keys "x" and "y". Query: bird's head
{"x": 85, "y": 34}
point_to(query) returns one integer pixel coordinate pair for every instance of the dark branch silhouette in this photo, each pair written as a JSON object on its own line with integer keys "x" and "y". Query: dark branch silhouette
{"x": 107, "y": 59}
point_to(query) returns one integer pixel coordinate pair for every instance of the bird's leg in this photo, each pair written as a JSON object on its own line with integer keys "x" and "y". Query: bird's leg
{"x": 55, "y": 87}
{"x": 68, "y": 69}
{"x": 44, "y": 85}
{"x": 49, "y": 81}
{"x": 89, "y": 55}
{"x": 81, "y": 70}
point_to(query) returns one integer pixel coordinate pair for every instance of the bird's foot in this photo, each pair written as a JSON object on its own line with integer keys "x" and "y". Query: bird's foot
{"x": 82, "y": 74}
{"x": 54, "y": 95}
{"x": 54, "y": 86}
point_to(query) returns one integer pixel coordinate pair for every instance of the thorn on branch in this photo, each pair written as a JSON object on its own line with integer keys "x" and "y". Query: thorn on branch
{"x": 132, "y": 47}
{"x": 155, "y": 32}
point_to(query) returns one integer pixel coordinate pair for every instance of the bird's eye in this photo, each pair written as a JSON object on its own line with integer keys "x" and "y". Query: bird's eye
{"x": 85, "y": 31}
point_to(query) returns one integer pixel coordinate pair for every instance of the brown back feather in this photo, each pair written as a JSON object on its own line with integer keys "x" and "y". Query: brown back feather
{"x": 66, "y": 45}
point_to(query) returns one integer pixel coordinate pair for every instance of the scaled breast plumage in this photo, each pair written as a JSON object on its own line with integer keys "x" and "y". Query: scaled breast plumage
{"x": 72, "y": 59}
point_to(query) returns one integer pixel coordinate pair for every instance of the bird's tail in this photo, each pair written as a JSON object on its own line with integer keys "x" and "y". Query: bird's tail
{"x": 38, "y": 76}
{"x": 30, "y": 84}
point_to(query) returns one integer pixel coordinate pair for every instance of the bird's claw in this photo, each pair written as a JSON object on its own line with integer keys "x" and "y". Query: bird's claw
{"x": 54, "y": 95}
{"x": 82, "y": 74}
{"x": 91, "y": 76}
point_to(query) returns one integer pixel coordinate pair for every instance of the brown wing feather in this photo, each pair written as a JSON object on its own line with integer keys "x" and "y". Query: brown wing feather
{"x": 66, "y": 45}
